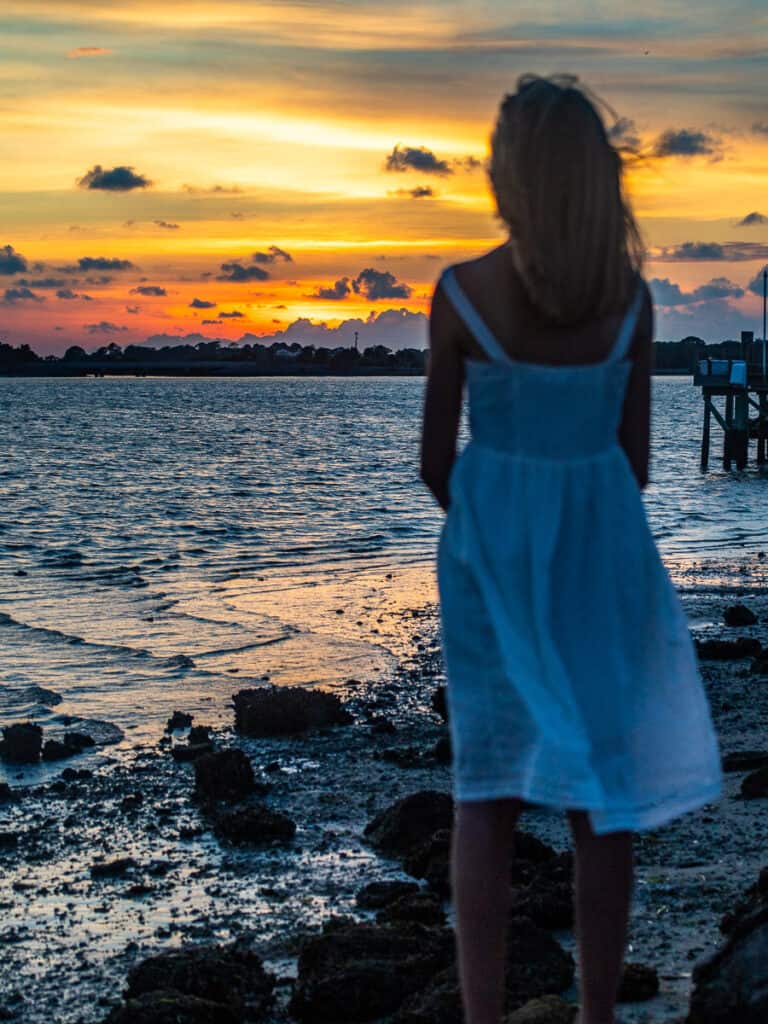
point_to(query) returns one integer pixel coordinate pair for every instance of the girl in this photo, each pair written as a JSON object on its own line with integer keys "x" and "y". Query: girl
{"x": 572, "y": 678}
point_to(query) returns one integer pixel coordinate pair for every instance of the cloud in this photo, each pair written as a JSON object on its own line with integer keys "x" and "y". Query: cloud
{"x": 98, "y": 263}
{"x": 419, "y": 192}
{"x": 148, "y": 289}
{"x": 416, "y": 159}
{"x": 166, "y": 224}
{"x": 338, "y": 290}
{"x": 713, "y": 320}
{"x": 212, "y": 190}
{"x": 379, "y": 284}
{"x": 201, "y": 304}
{"x": 272, "y": 254}
{"x": 760, "y": 127}
{"x": 468, "y": 163}
{"x": 104, "y": 327}
{"x": 211, "y": 321}
{"x": 756, "y": 284}
{"x": 682, "y": 142}
{"x": 727, "y": 251}
{"x": 101, "y": 279}
{"x": 234, "y": 313}
{"x": 623, "y": 134}
{"x": 752, "y": 219}
{"x": 66, "y": 293}
{"x": 133, "y": 309}
{"x": 89, "y": 51}
{"x": 118, "y": 179}
{"x": 667, "y": 293}
{"x": 43, "y": 282}
{"x": 237, "y": 272}
{"x": 14, "y": 295}
{"x": 11, "y": 262}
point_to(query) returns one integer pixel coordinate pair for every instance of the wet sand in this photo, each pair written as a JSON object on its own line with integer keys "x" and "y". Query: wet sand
{"x": 69, "y": 937}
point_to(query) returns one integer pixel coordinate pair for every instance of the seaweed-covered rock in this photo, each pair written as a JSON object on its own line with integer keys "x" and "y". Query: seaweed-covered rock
{"x": 638, "y": 983}
{"x": 431, "y": 861}
{"x": 255, "y": 824}
{"x": 536, "y": 965}
{"x": 440, "y": 703}
{"x": 282, "y": 711}
{"x": 542, "y": 885}
{"x": 745, "y": 760}
{"x": 186, "y": 752}
{"x": 55, "y": 750}
{"x": 232, "y": 976}
{"x": 165, "y": 1006}
{"x": 377, "y": 895}
{"x": 424, "y": 907}
{"x": 755, "y": 784}
{"x": 362, "y": 972}
{"x": 405, "y": 824}
{"x": 727, "y": 650}
{"x": 21, "y": 743}
{"x": 224, "y": 775}
{"x": 179, "y": 720}
{"x": 739, "y": 615}
{"x": 545, "y": 1010}
{"x": 731, "y": 987}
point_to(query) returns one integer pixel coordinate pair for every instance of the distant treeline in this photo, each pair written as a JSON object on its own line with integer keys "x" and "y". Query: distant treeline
{"x": 211, "y": 357}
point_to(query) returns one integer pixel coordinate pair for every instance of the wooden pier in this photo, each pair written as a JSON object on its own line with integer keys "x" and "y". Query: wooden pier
{"x": 743, "y": 384}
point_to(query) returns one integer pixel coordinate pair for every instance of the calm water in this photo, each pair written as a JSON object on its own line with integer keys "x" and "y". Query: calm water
{"x": 163, "y": 542}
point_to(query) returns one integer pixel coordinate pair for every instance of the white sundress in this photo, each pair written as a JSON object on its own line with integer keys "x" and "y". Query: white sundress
{"x": 572, "y": 677}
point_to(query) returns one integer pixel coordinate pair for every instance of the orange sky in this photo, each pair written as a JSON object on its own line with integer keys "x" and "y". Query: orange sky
{"x": 162, "y": 160}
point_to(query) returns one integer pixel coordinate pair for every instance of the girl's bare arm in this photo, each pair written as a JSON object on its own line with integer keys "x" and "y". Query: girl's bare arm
{"x": 635, "y": 429}
{"x": 442, "y": 402}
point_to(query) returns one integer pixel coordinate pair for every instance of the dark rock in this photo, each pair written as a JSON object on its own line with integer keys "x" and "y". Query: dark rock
{"x": 404, "y": 757}
{"x": 22, "y": 743}
{"x": 186, "y": 752}
{"x": 179, "y": 720}
{"x": 232, "y": 975}
{"x": 362, "y": 972}
{"x": 638, "y": 983}
{"x": 381, "y": 726}
{"x": 546, "y": 1010}
{"x": 79, "y": 739}
{"x": 166, "y": 1006}
{"x": 731, "y": 987}
{"x": 255, "y": 824}
{"x": 431, "y": 860}
{"x": 200, "y": 734}
{"x": 442, "y": 749}
{"x": 113, "y": 868}
{"x": 754, "y": 898}
{"x": 53, "y": 750}
{"x": 755, "y": 784}
{"x": 224, "y": 775}
{"x": 536, "y": 965}
{"x": 423, "y": 907}
{"x": 745, "y": 761}
{"x": 439, "y": 702}
{"x": 759, "y": 667}
{"x": 739, "y": 615}
{"x": 6, "y": 793}
{"x": 397, "y": 829}
{"x": 8, "y": 840}
{"x": 376, "y": 895}
{"x": 282, "y": 711}
{"x": 727, "y": 650}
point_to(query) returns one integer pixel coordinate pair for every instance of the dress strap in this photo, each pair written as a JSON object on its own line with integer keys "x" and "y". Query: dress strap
{"x": 472, "y": 319}
{"x": 627, "y": 329}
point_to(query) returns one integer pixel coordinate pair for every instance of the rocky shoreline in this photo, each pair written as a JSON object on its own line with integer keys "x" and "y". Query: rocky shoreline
{"x": 293, "y": 866}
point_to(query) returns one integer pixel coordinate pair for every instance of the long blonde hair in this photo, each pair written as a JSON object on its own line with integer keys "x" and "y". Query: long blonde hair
{"x": 557, "y": 180}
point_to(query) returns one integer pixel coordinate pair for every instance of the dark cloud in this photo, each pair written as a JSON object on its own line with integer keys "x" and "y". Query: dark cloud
{"x": 417, "y": 159}
{"x": 760, "y": 127}
{"x": 756, "y": 284}
{"x": 13, "y": 295}
{"x": 101, "y": 279}
{"x": 234, "y": 313}
{"x": 682, "y": 142}
{"x": 336, "y": 292}
{"x": 226, "y": 190}
{"x": 726, "y": 251}
{"x": 623, "y": 134}
{"x": 273, "y": 253}
{"x": 104, "y": 327}
{"x": 133, "y": 309}
{"x": 66, "y": 293}
{"x": 379, "y": 284}
{"x": 419, "y": 192}
{"x": 667, "y": 293}
{"x": 11, "y": 262}
{"x": 165, "y": 224}
{"x": 238, "y": 272}
{"x": 211, "y": 321}
{"x": 148, "y": 289}
{"x": 97, "y": 263}
{"x": 752, "y": 219}
{"x": 201, "y": 304}
{"x": 468, "y": 163}
{"x": 118, "y": 179}
{"x": 43, "y": 282}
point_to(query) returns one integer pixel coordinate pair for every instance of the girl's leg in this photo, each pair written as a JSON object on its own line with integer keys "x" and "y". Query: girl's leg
{"x": 603, "y": 894}
{"x": 480, "y": 869}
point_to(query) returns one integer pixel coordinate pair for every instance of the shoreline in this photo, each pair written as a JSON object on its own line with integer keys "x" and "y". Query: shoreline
{"x": 70, "y": 938}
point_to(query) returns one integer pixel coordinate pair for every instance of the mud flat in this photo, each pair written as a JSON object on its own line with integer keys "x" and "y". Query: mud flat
{"x": 292, "y": 850}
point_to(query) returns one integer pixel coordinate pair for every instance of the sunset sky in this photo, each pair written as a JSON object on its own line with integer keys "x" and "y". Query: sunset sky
{"x": 299, "y": 170}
